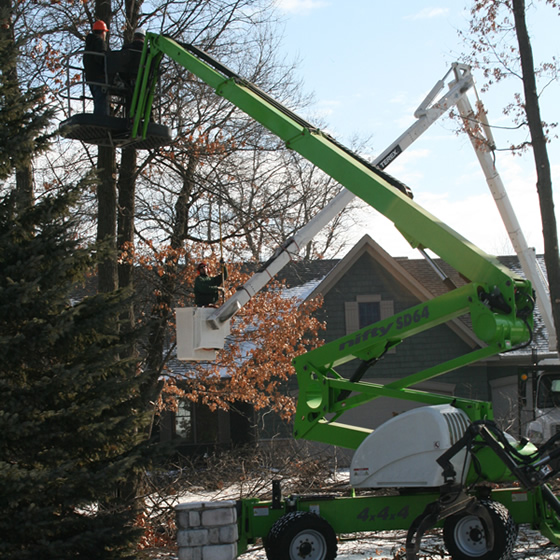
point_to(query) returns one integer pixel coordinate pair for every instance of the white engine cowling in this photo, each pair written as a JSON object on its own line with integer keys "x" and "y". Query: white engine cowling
{"x": 402, "y": 452}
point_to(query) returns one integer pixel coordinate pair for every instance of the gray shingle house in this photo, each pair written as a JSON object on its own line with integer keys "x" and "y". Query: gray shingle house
{"x": 363, "y": 287}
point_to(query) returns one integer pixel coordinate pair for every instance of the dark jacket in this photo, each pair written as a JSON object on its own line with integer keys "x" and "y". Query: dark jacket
{"x": 206, "y": 290}
{"x": 94, "y": 64}
{"x": 134, "y": 51}
{"x": 136, "y": 45}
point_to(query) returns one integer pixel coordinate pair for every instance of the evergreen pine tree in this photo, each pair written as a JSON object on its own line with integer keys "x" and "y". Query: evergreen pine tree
{"x": 24, "y": 114}
{"x": 71, "y": 420}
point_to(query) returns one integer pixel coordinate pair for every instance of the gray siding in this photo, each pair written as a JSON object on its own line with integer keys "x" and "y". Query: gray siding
{"x": 368, "y": 277}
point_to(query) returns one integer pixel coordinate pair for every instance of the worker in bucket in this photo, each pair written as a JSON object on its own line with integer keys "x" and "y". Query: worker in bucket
{"x": 207, "y": 288}
{"x": 94, "y": 66}
{"x": 135, "y": 48}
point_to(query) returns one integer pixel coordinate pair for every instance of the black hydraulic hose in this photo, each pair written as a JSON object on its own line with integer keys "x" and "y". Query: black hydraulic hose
{"x": 494, "y": 438}
{"x": 548, "y": 444}
{"x": 384, "y": 175}
{"x": 500, "y": 437}
{"x": 523, "y": 316}
{"x": 357, "y": 375}
{"x": 551, "y": 499}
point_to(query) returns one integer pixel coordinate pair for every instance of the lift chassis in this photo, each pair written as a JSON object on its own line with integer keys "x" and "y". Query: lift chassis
{"x": 444, "y": 464}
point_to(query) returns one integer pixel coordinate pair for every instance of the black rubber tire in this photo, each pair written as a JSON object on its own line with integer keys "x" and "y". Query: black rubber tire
{"x": 464, "y": 539}
{"x": 301, "y": 535}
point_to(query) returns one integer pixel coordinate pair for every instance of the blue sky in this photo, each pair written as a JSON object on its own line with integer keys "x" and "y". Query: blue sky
{"x": 369, "y": 64}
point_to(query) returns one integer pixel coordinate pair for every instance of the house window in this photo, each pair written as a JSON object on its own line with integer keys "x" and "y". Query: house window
{"x": 368, "y": 312}
{"x": 196, "y": 423}
{"x": 365, "y": 310}
{"x": 184, "y": 421}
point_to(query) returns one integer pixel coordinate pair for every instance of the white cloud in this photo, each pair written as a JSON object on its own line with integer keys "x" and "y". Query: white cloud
{"x": 300, "y": 6}
{"x": 406, "y": 169}
{"x": 429, "y": 13}
{"x": 399, "y": 98}
{"x": 414, "y": 154}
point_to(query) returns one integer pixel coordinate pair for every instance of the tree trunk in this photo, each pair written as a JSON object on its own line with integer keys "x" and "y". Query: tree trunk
{"x": 8, "y": 67}
{"x": 24, "y": 185}
{"x": 180, "y": 226}
{"x": 125, "y": 223}
{"x": 132, "y": 10}
{"x": 125, "y": 234}
{"x": 106, "y": 217}
{"x": 103, "y": 10}
{"x": 542, "y": 164}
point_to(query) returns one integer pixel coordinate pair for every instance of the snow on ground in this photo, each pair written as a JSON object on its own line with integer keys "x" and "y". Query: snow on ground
{"x": 390, "y": 546}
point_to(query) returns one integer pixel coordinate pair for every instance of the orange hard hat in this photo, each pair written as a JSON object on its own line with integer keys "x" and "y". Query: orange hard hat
{"x": 100, "y": 25}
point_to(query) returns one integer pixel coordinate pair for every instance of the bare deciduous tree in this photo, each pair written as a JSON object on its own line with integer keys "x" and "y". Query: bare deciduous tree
{"x": 222, "y": 180}
{"x": 500, "y": 45}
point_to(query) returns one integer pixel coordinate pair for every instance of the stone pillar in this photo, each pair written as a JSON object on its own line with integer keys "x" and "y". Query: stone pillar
{"x": 207, "y": 530}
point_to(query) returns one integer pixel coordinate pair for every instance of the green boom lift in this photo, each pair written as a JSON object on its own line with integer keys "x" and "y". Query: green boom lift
{"x": 442, "y": 460}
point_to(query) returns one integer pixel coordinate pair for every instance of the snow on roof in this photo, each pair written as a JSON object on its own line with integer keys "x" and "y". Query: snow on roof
{"x": 304, "y": 291}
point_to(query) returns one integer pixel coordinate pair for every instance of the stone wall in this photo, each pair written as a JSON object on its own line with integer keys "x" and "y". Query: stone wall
{"x": 207, "y": 530}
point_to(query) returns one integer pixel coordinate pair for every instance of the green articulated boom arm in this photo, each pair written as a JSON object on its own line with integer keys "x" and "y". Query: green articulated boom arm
{"x": 500, "y": 304}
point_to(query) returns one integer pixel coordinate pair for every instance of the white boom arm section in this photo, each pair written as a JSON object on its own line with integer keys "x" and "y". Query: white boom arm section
{"x": 483, "y": 143}
{"x": 200, "y": 330}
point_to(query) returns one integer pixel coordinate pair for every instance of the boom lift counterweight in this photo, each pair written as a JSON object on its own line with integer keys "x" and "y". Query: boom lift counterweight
{"x": 438, "y": 484}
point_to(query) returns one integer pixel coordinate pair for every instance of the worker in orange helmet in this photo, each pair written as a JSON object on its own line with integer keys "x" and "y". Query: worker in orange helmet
{"x": 94, "y": 66}
{"x": 207, "y": 288}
